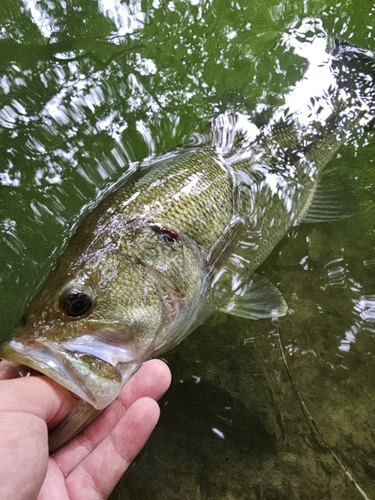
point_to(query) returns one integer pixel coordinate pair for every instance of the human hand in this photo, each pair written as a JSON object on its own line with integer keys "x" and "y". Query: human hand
{"x": 87, "y": 467}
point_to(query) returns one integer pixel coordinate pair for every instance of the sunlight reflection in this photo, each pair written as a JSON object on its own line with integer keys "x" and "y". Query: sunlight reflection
{"x": 218, "y": 432}
{"x": 41, "y": 17}
{"x": 7, "y": 180}
{"x": 317, "y": 78}
{"x": 127, "y": 18}
{"x": 365, "y": 306}
{"x": 350, "y": 337}
{"x": 337, "y": 273}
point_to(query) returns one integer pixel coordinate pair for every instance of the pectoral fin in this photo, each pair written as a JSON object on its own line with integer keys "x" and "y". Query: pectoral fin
{"x": 223, "y": 248}
{"x": 257, "y": 299}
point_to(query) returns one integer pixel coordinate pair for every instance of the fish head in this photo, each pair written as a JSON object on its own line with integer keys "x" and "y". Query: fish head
{"x": 112, "y": 301}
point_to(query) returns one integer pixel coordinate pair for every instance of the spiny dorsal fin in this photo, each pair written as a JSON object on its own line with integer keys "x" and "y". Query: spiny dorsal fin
{"x": 233, "y": 133}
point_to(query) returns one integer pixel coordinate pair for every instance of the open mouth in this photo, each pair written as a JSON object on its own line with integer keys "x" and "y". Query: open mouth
{"x": 11, "y": 369}
{"x": 89, "y": 377}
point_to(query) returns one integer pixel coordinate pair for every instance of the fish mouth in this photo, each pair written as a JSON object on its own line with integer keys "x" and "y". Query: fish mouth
{"x": 91, "y": 378}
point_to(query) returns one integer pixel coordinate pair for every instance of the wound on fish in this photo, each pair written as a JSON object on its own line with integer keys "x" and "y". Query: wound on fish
{"x": 167, "y": 234}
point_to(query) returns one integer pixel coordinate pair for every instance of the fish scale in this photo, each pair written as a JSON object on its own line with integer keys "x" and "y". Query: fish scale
{"x": 192, "y": 194}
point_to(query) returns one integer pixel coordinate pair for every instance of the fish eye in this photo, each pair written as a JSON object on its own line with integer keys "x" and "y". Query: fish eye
{"x": 75, "y": 303}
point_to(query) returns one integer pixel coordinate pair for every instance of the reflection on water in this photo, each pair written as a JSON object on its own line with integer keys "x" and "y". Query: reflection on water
{"x": 80, "y": 102}
{"x": 365, "y": 307}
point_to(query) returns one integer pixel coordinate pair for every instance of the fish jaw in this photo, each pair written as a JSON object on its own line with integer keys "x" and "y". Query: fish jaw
{"x": 89, "y": 377}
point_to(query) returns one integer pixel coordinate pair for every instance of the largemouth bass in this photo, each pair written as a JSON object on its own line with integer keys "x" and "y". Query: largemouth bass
{"x": 183, "y": 234}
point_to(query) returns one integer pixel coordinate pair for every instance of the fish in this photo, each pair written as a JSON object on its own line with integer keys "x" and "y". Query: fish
{"x": 182, "y": 235}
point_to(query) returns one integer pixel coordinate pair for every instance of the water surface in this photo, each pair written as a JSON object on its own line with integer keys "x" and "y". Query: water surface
{"x": 257, "y": 410}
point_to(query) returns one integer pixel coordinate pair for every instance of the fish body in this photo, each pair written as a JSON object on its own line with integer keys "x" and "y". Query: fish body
{"x": 182, "y": 236}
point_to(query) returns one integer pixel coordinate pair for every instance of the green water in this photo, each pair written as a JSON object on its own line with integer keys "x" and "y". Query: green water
{"x": 86, "y": 89}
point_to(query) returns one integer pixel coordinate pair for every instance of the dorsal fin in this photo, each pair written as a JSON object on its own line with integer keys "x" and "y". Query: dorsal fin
{"x": 334, "y": 198}
{"x": 232, "y": 134}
